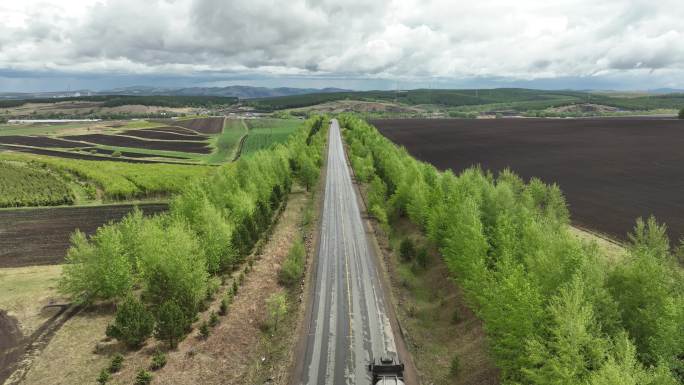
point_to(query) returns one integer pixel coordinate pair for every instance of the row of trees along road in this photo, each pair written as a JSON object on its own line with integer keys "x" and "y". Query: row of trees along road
{"x": 555, "y": 310}
{"x": 210, "y": 229}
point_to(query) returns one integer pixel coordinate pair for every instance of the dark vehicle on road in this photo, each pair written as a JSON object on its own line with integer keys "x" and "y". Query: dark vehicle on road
{"x": 387, "y": 371}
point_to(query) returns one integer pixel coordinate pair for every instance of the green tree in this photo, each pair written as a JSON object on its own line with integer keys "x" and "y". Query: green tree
{"x": 276, "y": 305}
{"x": 172, "y": 266}
{"x": 96, "y": 269}
{"x": 133, "y": 323}
{"x": 172, "y": 323}
{"x": 570, "y": 347}
{"x": 308, "y": 172}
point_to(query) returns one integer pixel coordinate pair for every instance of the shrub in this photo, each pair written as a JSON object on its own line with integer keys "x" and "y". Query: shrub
{"x": 223, "y": 308}
{"x": 104, "y": 377}
{"x": 204, "y": 330}
{"x": 681, "y": 113}
{"x": 132, "y": 325}
{"x": 455, "y": 366}
{"x": 293, "y": 268}
{"x": 277, "y": 308}
{"x": 407, "y": 249}
{"x": 116, "y": 363}
{"x": 171, "y": 323}
{"x": 143, "y": 377}
{"x": 213, "y": 319}
{"x": 422, "y": 257}
{"x": 456, "y": 316}
{"x": 158, "y": 360}
{"x": 235, "y": 287}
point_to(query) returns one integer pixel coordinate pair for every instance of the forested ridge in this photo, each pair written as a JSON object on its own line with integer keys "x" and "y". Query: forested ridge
{"x": 555, "y": 309}
{"x": 160, "y": 271}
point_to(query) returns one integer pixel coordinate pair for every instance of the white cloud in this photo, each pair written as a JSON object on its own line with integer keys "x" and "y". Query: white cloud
{"x": 395, "y": 39}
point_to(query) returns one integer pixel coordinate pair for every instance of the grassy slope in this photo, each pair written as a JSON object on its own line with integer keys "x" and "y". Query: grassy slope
{"x": 265, "y": 132}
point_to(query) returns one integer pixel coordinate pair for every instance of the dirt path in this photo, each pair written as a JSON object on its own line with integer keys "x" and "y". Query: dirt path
{"x": 19, "y": 357}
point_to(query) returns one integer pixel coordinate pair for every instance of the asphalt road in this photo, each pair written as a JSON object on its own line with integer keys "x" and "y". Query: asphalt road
{"x": 349, "y": 323}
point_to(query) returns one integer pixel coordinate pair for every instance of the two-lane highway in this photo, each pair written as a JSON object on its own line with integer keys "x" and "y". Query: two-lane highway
{"x": 349, "y": 324}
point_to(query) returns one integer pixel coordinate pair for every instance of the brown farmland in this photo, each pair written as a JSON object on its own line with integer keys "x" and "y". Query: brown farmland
{"x": 74, "y": 155}
{"x": 202, "y": 125}
{"x": 41, "y": 236}
{"x": 103, "y": 151}
{"x": 39, "y": 141}
{"x": 123, "y": 141}
{"x": 611, "y": 170}
{"x": 163, "y": 135}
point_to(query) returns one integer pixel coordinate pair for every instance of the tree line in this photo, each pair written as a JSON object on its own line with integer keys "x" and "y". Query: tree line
{"x": 555, "y": 309}
{"x": 160, "y": 270}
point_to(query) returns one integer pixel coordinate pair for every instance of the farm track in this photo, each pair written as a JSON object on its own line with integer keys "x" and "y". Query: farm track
{"x": 610, "y": 170}
{"x": 17, "y": 360}
{"x": 40, "y": 236}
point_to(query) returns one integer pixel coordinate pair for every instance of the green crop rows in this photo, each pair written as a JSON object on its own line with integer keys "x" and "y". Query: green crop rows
{"x": 24, "y": 184}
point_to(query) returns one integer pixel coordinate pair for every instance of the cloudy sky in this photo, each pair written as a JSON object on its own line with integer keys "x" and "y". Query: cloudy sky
{"x": 359, "y": 44}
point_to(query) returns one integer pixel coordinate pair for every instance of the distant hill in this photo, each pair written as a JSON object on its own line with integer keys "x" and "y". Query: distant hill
{"x": 499, "y": 99}
{"x": 241, "y": 92}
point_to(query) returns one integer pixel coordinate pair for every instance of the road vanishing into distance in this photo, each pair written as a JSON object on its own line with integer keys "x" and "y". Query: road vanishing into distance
{"x": 349, "y": 324}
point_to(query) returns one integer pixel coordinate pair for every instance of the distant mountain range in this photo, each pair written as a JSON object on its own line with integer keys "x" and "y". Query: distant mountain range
{"x": 242, "y": 92}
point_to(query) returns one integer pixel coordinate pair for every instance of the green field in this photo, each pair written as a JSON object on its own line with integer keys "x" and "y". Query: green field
{"x": 23, "y": 184}
{"x": 39, "y": 129}
{"x": 263, "y": 133}
{"x": 226, "y": 144}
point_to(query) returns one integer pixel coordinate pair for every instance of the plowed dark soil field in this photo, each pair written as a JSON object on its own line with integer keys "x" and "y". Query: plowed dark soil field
{"x": 72, "y": 155}
{"x": 39, "y": 141}
{"x": 116, "y": 140}
{"x": 202, "y": 125}
{"x": 128, "y": 154}
{"x": 41, "y": 236}
{"x": 611, "y": 170}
